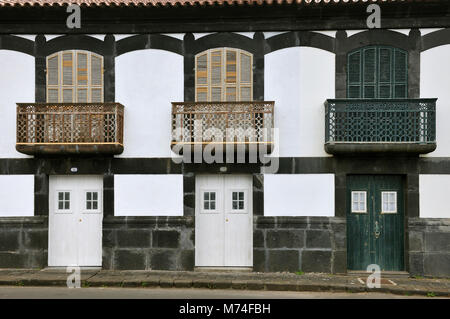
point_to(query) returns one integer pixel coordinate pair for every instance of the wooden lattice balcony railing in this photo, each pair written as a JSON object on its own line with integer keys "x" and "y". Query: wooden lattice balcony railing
{"x": 234, "y": 123}
{"x": 380, "y": 125}
{"x": 69, "y": 128}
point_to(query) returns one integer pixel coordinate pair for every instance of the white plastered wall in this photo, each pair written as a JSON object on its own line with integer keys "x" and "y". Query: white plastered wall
{"x": 148, "y": 195}
{"x": 435, "y": 83}
{"x": 433, "y": 196}
{"x": 299, "y": 195}
{"x": 16, "y": 85}
{"x": 147, "y": 81}
{"x": 299, "y": 80}
{"x": 17, "y": 195}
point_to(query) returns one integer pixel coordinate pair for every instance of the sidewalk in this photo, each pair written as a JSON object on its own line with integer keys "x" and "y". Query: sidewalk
{"x": 227, "y": 280}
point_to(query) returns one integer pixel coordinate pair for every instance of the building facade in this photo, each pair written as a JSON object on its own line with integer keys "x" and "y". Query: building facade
{"x": 264, "y": 136}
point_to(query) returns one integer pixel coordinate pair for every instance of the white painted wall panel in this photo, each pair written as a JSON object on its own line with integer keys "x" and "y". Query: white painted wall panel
{"x": 433, "y": 196}
{"x": 299, "y": 195}
{"x": 17, "y": 195}
{"x": 299, "y": 80}
{"x": 146, "y": 82}
{"x": 435, "y": 83}
{"x": 148, "y": 195}
{"x": 16, "y": 85}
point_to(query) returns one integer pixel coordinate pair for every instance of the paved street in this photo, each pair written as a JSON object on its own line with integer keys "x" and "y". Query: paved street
{"x": 7, "y": 292}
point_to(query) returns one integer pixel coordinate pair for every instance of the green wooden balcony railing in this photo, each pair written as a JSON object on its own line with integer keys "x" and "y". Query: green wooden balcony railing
{"x": 373, "y": 125}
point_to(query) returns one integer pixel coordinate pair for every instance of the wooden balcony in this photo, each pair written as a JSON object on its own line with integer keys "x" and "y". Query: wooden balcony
{"x": 240, "y": 125}
{"x": 380, "y": 126}
{"x": 69, "y": 128}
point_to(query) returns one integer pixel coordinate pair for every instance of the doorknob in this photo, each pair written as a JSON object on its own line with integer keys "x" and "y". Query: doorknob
{"x": 80, "y": 220}
{"x": 377, "y": 230}
{"x": 226, "y": 219}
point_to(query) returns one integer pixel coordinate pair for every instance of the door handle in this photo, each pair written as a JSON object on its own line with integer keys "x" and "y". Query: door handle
{"x": 226, "y": 219}
{"x": 377, "y": 231}
{"x": 80, "y": 220}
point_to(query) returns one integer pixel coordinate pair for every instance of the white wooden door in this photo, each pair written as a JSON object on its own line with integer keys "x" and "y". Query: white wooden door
{"x": 75, "y": 221}
{"x": 223, "y": 223}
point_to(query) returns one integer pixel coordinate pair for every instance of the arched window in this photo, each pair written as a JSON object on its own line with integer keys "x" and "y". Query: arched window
{"x": 223, "y": 74}
{"x": 74, "y": 77}
{"x": 377, "y": 72}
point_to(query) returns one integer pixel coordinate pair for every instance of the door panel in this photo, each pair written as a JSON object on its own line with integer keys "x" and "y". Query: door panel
{"x": 376, "y": 237}
{"x": 75, "y": 234}
{"x": 238, "y": 222}
{"x": 209, "y": 226}
{"x": 223, "y": 235}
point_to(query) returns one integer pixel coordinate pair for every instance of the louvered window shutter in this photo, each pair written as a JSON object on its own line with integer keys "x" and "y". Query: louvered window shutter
{"x": 231, "y": 75}
{"x": 67, "y": 77}
{"x": 202, "y": 78}
{"x": 354, "y": 75}
{"x": 385, "y": 63}
{"x": 53, "y": 79}
{"x": 82, "y": 77}
{"x": 216, "y": 75}
{"x": 74, "y": 76}
{"x": 400, "y": 74}
{"x": 369, "y": 73}
{"x": 224, "y": 75}
{"x": 245, "y": 77}
{"x": 377, "y": 72}
{"x": 96, "y": 78}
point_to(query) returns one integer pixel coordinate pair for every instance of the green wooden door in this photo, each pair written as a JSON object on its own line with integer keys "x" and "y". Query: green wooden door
{"x": 375, "y": 213}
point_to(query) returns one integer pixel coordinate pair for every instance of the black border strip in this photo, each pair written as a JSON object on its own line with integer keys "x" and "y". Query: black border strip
{"x": 300, "y": 39}
{"x": 15, "y": 43}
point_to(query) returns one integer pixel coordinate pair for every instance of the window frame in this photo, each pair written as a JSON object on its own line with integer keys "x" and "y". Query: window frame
{"x": 365, "y": 202}
{"x": 99, "y": 201}
{"x": 63, "y": 211}
{"x": 395, "y": 202}
{"x": 202, "y": 201}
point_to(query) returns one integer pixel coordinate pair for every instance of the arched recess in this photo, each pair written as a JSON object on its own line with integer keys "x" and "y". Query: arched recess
{"x": 383, "y": 38}
{"x": 74, "y": 76}
{"x": 224, "y": 74}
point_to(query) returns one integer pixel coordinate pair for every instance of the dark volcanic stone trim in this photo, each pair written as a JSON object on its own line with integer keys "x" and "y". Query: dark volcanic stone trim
{"x": 258, "y": 194}
{"x": 429, "y": 249}
{"x": 188, "y": 194}
{"x": 299, "y": 39}
{"x": 74, "y": 42}
{"x": 304, "y": 243}
{"x": 149, "y": 41}
{"x": 287, "y": 165}
{"x": 224, "y": 39}
{"x": 108, "y": 195}
{"x": 15, "y": 43}
{"x": 23, "y": 242}
{"x": 216, "y": 18}
{"x": 434, "y": 39}
{"x": 189, "y": 67}
{"x": 166, "y": 221}
{"x": 41, "y": 194}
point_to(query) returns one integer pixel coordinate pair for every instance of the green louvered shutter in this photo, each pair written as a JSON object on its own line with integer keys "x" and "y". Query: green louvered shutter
{"x": 400, "y": 86}
{"x": 369, "y": 73}
{"x": 385, "y": 63}
{"x": 377, "y": 72}
{"x": 354, "y": 75}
